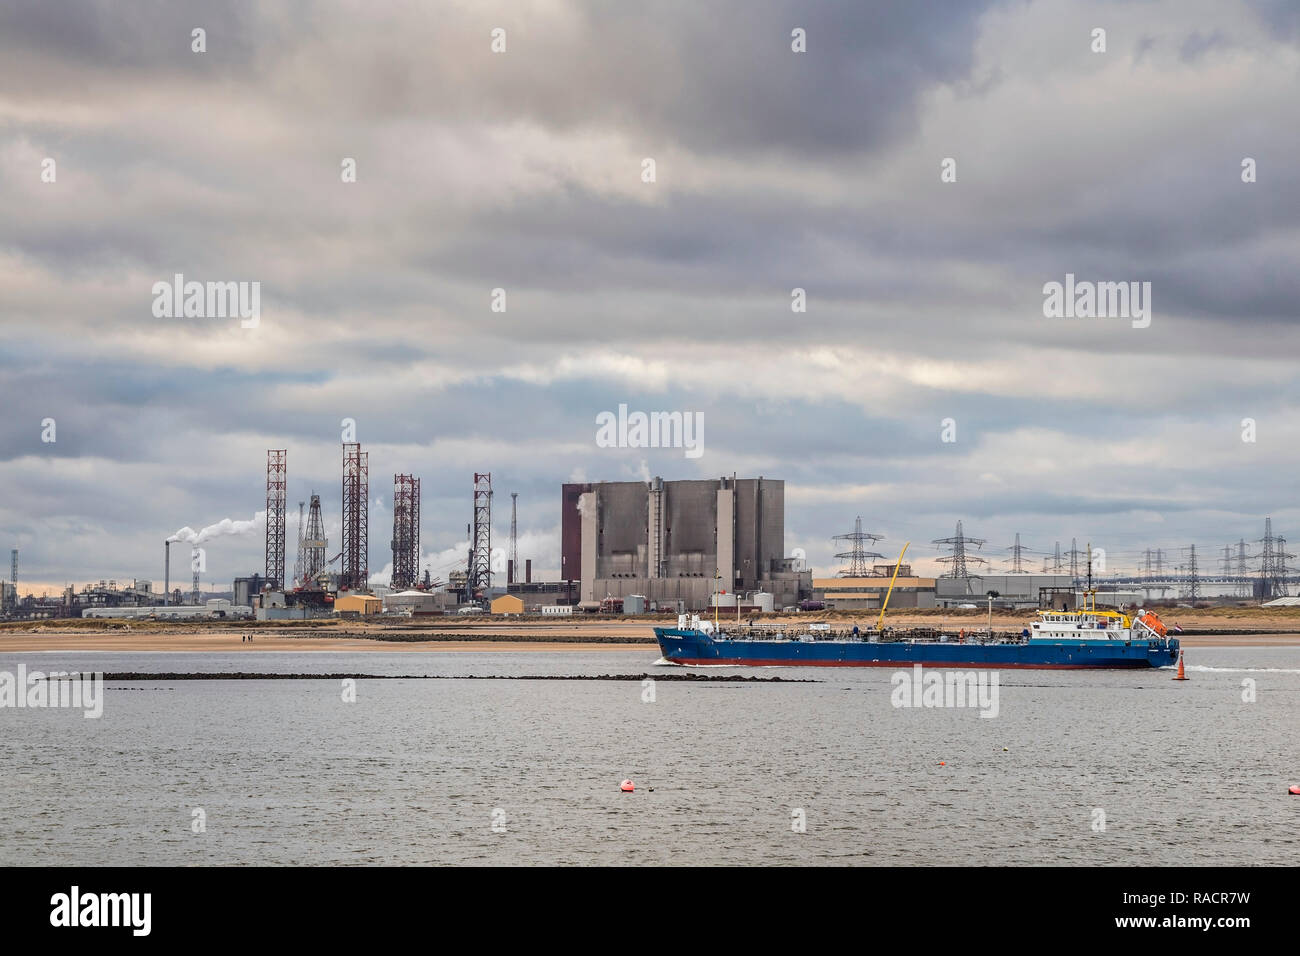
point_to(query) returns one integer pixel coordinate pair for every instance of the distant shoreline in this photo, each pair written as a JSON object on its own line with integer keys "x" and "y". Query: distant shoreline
{"x": 486, "y": 635}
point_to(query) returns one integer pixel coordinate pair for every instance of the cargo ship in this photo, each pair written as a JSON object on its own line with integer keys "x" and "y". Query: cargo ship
{"x": 1088, "y": 638}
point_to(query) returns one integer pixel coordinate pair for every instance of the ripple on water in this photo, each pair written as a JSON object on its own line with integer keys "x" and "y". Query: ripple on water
{"x": 418, "y": 772}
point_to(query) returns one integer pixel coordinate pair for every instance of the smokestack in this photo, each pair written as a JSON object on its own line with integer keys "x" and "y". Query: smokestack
{"x": 194, "y": 554}
{"x": 510, "y": 572}
{"x": 528, "y": 570}
{"x": 167, "y": 571}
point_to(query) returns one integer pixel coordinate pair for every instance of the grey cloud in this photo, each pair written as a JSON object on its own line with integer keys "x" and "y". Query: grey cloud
{"x": 376, "y": 298}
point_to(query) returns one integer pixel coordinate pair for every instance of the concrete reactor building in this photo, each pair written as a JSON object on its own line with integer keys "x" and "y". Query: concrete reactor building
{"x": 679, "y": 541}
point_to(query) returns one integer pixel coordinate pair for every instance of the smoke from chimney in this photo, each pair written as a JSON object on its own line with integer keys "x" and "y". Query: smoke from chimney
{"x": 223, "y": 528}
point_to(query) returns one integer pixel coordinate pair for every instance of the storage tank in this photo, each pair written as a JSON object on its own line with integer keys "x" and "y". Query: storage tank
{"x": 765, "y": 602}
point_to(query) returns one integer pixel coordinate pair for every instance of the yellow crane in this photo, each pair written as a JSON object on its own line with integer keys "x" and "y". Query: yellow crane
{"x": 885, "y": 604}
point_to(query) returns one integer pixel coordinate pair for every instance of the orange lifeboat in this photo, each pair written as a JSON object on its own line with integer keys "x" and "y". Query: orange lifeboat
{"x": 1152, "y": 620}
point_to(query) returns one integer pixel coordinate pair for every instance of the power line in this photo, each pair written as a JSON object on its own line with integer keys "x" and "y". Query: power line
{"x": 857, "y": 554}
{"x": 1272, "y": 563}
{"x": 1193, "y": 585}
{"x": 1017, "y": 557}
{"x": 959, "y": 559}
{"x": 1073, "y": 555}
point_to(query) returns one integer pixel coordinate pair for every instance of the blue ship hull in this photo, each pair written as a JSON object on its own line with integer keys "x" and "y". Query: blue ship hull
{"x": 686, "y": 646}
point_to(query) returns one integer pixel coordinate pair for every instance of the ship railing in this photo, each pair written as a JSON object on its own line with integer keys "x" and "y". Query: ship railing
{"x": 769, "y": 632}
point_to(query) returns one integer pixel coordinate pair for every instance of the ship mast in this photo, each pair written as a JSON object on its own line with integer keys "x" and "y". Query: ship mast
{"x": 1090, "y": 591}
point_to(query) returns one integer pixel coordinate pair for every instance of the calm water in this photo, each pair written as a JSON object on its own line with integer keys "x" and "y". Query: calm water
{"x": 287, "y": 773}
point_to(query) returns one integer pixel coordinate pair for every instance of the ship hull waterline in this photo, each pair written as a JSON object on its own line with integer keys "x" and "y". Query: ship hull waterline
{"x": 696, "y": 649}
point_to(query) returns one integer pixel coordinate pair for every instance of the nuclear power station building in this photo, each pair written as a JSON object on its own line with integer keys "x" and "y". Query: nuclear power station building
{"x": 679, "y": 541}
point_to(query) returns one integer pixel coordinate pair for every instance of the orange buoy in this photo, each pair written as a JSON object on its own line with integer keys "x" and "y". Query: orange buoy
{"x": 627, "y": 786}
{"x": 1181, "y": 675}
{"x": 1295, "y": 790}
{"x": 942, "y": 764}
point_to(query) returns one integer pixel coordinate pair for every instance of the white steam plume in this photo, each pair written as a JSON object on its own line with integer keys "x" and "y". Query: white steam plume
{"x": 222, "y": 528}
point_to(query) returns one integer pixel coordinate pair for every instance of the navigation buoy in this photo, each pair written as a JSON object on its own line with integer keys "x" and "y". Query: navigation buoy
{"x": 942, "y": 764}
{"x": 627, "y": 786}
{"x": 1181, "y": 675}
{"x": 1295, "y": 790}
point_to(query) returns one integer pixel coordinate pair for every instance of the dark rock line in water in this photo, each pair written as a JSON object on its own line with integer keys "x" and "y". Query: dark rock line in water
{"x": 247, "y": 675}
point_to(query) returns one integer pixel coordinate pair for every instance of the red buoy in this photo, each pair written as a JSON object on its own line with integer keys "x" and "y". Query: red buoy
{"x": 1296, "y": 791}
{"x": 627, "y": 786}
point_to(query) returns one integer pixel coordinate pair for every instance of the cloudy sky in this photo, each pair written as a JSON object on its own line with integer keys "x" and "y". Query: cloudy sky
{"x": 524, "y": 170}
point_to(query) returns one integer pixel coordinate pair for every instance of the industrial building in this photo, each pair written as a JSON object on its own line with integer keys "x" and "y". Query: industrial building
{"x": 867, "y": 592}
{"x": 215, "y": 609}
{"x": 246, "y": 590}
{"x": 413, "y": 603}
{"x": 1013, "y": 590}
{"x": 109, "y": 594}
{"x": 678, "y": 540}
{"x": 507, "y": 604}
{"x": 358, "y": 605}
{"x": 536, "y": 594}
{"x": 632, "y": 546}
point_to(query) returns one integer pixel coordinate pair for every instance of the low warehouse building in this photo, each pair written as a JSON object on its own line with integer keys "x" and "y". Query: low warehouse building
{"x": 507, "y": 604}
{"x": 1013, "y": 590}
{"x": 215, "y": 609}
{"x": 410, "y": 602}
{"x": 359, "y": 604}
{"x": 868, "y": 592}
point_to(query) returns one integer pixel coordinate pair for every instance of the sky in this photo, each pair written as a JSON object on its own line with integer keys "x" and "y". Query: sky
{"x": 920, "y": 170}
